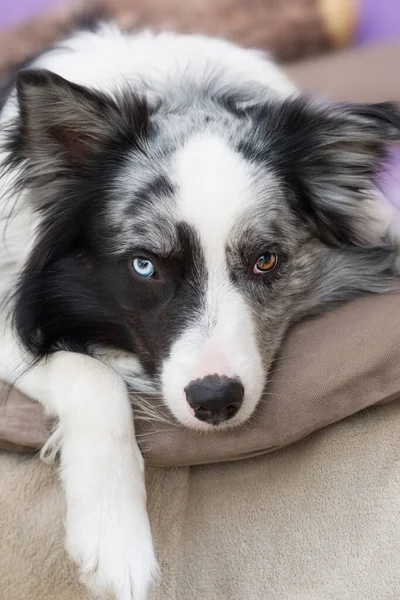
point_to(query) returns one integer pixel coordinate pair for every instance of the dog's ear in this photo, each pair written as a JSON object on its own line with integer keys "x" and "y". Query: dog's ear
{"x": 341, "y": 157}
{"x": 64, "y": 127}
{"x": 334, "y": 155}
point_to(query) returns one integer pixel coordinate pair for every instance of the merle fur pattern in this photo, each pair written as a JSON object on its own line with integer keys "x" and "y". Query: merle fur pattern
{"x": 76, "y": 290}
{"x": 201, "y": 158}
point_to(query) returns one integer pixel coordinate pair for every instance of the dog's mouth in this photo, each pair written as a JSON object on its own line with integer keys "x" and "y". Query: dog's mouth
{"x": 202, "y": 413}
{"x": 203, "y": 422}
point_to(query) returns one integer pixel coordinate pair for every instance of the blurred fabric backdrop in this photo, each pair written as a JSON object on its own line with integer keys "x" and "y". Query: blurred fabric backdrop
{"x": 377, "y": 20}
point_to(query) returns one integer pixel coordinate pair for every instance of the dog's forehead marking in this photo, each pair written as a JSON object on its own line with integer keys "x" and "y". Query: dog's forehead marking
{"x": 214, "y": 186}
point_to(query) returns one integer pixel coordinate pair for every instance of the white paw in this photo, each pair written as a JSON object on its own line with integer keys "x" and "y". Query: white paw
{"x": 113, "y": 550}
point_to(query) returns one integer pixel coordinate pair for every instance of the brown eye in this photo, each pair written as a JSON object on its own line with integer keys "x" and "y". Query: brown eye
{"x": 265, "y": 263}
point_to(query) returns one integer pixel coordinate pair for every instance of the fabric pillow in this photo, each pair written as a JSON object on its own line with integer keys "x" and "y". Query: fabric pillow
{"x": 328, "y": 369}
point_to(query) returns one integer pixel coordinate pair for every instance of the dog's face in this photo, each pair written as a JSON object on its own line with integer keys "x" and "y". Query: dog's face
{"x": 195, "y": 240}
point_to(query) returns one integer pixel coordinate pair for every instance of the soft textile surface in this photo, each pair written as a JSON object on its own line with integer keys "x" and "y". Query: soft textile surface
{"x": 290, "y": 29}
{"x": 328, "y": 369}
{"x": 316, "y": 521}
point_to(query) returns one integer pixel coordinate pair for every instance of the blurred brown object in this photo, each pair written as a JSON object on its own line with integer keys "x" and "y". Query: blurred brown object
{"x": 340, "y": 19}
{"x": 288, "y": 29}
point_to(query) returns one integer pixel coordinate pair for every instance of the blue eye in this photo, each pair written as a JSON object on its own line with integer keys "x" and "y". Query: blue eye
{"x": 143, "y": 267}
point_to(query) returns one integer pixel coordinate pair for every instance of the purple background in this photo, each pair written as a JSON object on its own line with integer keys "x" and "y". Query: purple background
{"x": 379, "y": 19}
{"x": 13, "y": 12}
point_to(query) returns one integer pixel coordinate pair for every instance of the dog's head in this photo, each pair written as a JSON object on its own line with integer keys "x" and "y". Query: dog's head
{"x": 194, "y": 240}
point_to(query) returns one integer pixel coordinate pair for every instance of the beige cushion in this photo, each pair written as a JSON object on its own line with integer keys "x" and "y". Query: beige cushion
{"x": 328, "y": 369}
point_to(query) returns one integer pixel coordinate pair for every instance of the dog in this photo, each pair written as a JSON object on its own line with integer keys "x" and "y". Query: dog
{"x": 170, "y": 206}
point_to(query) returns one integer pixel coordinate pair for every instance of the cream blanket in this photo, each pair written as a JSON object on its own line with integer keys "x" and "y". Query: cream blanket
{"x": 316, "y": 521}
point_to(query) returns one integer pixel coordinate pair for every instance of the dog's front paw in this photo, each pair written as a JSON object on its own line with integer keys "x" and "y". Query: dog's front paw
{"x": 113, "y": 551}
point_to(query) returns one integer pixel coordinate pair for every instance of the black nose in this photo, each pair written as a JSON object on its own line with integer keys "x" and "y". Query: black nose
{"x": 214, "y": 398}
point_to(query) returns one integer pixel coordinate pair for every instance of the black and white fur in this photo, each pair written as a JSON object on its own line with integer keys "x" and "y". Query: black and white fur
{"x": 201, "y": 156}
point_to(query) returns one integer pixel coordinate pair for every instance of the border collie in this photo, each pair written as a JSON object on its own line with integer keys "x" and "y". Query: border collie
{"x": 170, "y": 205}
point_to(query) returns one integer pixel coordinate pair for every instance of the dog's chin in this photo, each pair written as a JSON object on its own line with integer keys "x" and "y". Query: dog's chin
{"x": 187, "y": 419}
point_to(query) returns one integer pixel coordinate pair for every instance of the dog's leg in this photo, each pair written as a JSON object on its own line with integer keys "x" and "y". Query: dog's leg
{"x": 107, "y": 528}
